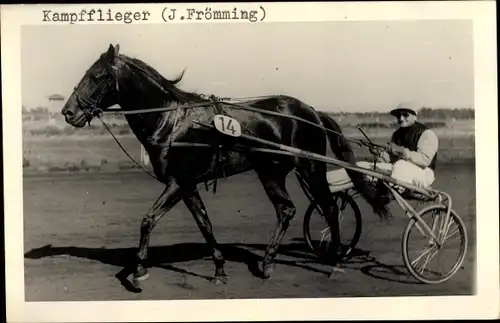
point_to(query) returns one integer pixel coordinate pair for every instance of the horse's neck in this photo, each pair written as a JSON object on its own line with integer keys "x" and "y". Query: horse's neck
{"x": 143, "y": 124}
{"x": 157, "y": 125}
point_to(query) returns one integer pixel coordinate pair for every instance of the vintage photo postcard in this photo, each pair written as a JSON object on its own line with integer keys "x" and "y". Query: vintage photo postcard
{"x": 250, "y": 161}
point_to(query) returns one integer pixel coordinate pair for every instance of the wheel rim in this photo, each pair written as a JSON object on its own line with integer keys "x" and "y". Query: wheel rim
{"x": 430, "y": 262}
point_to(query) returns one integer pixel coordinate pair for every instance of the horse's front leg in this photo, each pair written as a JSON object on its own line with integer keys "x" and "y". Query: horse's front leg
{"x": 195, "y": 205}
{"x": 167, "y": 200}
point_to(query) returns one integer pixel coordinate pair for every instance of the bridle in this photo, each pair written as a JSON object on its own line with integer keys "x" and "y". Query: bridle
{"x": 89, "y": 105}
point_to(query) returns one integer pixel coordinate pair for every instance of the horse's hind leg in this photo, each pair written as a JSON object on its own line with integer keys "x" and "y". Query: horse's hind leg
{"x": 195, "y": 205}
{"x": 274, "y": 179}
{"x": 314, "y": 174}
{"x": 168, "y": 198}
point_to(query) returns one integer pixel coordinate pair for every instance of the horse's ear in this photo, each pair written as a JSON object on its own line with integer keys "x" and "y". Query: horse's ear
{"x": 117, "y": 49}
{"x": 110, "y": 54}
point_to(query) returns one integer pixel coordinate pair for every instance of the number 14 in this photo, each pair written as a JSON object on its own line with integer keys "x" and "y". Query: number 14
{"x": 227, "y": 125}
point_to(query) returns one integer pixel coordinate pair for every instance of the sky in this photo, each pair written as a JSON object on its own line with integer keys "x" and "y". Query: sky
{"x": 333, "y": 66}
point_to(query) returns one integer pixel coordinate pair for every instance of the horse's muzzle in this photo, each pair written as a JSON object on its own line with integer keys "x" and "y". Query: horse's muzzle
{"x": 78, "y": 119}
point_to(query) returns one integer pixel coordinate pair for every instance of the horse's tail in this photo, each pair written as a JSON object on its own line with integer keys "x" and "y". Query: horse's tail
{"x": 341, "y": 148}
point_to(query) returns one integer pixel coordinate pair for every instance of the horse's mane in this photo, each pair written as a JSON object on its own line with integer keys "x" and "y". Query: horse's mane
{"x": 169, "y": 85}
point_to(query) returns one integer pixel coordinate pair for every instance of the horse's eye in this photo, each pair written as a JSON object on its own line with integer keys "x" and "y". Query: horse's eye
{"x": 97, "y": 77}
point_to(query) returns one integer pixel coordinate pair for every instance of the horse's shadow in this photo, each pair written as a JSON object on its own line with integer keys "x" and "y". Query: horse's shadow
{"x": 166, "y": 256}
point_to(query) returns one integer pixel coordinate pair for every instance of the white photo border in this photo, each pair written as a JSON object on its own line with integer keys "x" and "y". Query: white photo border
{"x": 485, "y": 303}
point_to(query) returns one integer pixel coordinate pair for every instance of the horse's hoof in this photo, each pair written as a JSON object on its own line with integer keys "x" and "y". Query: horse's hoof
{"x": 219, "y": 280}
{"x": 141, "y": 274}
{"x": 135, "y": 286}
{"x": 267, "y": 271}
{"x": 336, "y": 272}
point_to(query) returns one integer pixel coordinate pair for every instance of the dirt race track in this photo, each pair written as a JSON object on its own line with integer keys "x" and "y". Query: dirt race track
{"x": 81, "y": 229}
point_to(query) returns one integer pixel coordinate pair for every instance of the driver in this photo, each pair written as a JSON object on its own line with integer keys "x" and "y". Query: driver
{"x": 412, "y": 153}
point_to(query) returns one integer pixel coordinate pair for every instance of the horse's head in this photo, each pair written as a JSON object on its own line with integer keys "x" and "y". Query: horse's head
{"x": 96, "y": 91}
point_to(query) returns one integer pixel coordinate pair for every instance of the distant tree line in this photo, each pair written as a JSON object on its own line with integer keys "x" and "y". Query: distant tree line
{"x": 35, "y": 110}
{"x": 424, "y": 112}
{"x": 431, "y": 113}
{"x": 378, "y": 125}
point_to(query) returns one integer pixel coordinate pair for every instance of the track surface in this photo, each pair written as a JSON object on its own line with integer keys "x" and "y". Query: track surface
{"x": 81, "y": 229}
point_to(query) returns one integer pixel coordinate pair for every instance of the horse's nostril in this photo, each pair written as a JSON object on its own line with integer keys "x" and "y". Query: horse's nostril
{"x": 68, "y": 113}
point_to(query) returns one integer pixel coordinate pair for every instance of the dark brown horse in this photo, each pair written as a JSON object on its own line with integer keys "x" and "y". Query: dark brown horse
{"x": 133, "y": 85}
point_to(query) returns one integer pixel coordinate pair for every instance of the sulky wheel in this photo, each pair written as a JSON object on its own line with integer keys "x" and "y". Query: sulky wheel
{"x": 317, "y": 232}
{"x": 430, "y": 262}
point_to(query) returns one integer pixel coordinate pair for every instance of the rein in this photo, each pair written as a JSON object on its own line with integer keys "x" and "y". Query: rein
{"x": 215, "y": 100}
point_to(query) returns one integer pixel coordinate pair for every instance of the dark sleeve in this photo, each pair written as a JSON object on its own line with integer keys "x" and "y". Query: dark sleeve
{"x": 392, "y": 137}
{"x": 393, "y": 158}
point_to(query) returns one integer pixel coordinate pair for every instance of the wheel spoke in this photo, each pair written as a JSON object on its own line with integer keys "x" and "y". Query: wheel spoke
{"x": 448, "y": 229}
{"x": 452, "y": 234}
{"x": 442, "y": 230}
{"x": 340, "y": 225}
{"x": 326, "y": 234}
{"x": 429, "y": 257}
{"x": 426, "y": 251}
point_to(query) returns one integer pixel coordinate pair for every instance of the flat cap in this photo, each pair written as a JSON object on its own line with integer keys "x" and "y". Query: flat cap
{"x": 404, "y": 107}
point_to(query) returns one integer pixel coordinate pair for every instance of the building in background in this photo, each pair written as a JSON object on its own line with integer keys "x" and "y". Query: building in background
{"x": 56, "y": 102}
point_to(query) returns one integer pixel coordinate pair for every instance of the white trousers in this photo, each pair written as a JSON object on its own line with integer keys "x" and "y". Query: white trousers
{"x": 401, "y": 170}
{"x": 404, "y": 171}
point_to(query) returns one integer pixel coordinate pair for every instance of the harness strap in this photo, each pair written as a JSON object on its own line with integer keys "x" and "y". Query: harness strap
{"x": 220, "y": 152}
{"x": 216, "y": 103}
{"x": 119, "y": 111}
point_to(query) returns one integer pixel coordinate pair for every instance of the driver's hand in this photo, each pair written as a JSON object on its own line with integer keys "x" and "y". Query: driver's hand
{"x": 397, "y": 150}
{"x": 377, "y": 151}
